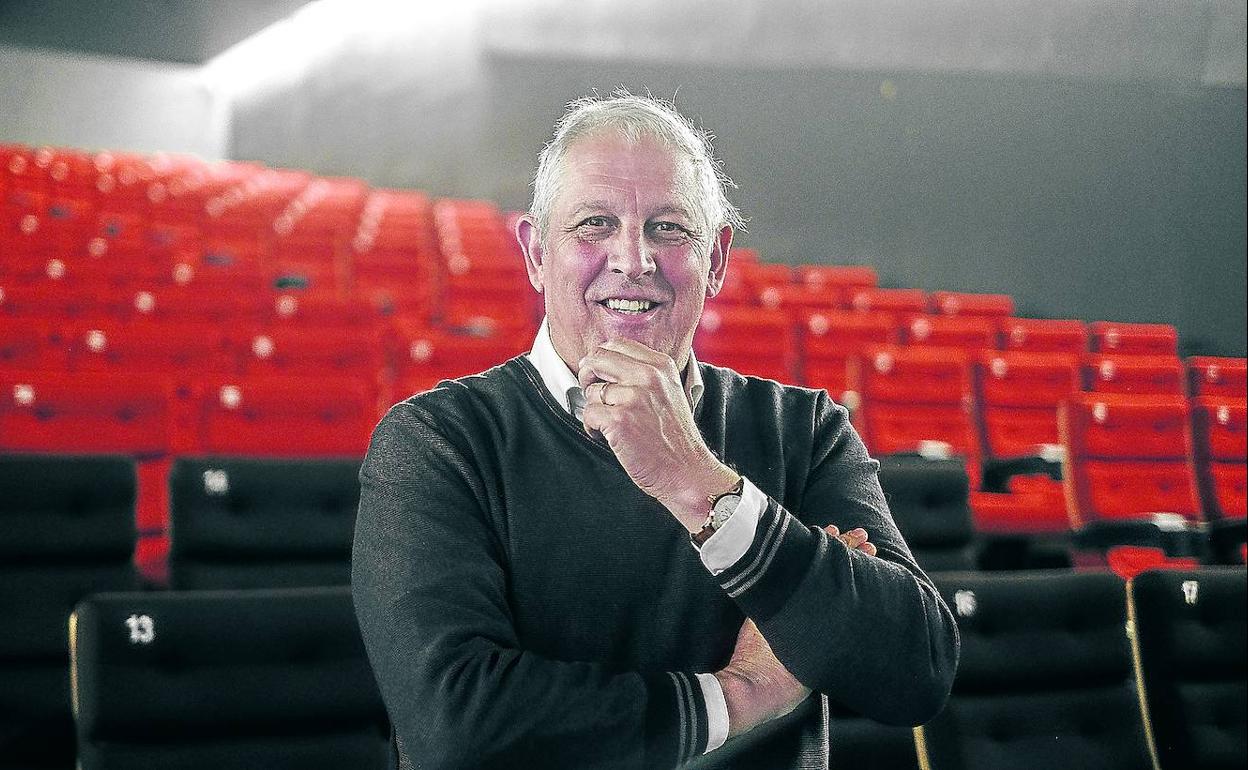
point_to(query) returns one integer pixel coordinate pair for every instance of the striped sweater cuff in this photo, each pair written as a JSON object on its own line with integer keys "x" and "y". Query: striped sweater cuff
{"x": 676, "y": 724}
{"x": 762, "y": 580}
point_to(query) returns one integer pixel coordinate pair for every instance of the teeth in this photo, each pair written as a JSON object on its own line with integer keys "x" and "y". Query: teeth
{"x": 629, "y": 305}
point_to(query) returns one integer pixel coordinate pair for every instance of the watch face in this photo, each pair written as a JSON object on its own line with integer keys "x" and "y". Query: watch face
{"x": 725, "y": 507}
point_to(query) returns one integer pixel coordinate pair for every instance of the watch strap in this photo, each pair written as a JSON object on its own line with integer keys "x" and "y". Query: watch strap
{"x": 709, "y": 528}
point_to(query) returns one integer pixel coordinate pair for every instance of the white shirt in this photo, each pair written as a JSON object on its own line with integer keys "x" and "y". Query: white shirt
{"x": 719, "y": 552}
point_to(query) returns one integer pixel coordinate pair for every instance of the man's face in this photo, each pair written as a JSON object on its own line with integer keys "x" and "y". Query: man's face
{"x": 626, "y": 255}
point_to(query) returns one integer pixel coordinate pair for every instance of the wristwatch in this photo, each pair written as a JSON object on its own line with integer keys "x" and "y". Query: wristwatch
{"x": 722, "y": 508}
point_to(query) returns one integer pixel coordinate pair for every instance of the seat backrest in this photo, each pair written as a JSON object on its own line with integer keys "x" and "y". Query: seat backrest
{"x": 1134, "y": 338}
{"x": 928, "y": 499}
{"x": 1216, "y": 376}
{"x": 963, "y": 304}
{"x": 68, "y": 525}
{"x": 1017, "y": 394}
{"x": 261, "y": 523}
{"x": 755, "y": 341}
{"x": 969, "y": 332}
{"x": 204, "y": 679}
{"x": 425, "y": 356}
{"x": 1221, "y": 446}
{"x": 1191, "y": 637}
{"x": 1134, "y": 374}
{"x": 1039, "y": 335}
{"x": 84, "y": 413}
{"x": 896, "y": 301}
{"x": 916, "y": 375}
{"x": 286, "y": 416}
{"x": 1045, "y": 676}
{"x": 1127, "y": 456}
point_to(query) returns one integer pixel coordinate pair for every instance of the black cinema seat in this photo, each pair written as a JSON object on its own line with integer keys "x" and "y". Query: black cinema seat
{"x": 929, "y": 501}
{"x": 1192, "y": 634}
{"x": 183, "y": 680}
{"x": 66, "y": 530}
{"x": 260, "y": 523}
{"x": 1045, "y": 679}
{"x": 864, "y": 744}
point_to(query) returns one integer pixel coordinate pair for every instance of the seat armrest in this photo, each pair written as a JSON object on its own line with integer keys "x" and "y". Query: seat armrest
{"x": 1047, "y": 460}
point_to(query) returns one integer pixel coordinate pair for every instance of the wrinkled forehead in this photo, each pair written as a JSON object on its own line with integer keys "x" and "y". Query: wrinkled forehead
{"x": 662, "y": 169}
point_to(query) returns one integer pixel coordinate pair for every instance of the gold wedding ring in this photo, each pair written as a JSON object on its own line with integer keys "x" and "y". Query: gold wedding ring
{"x": 602, "y": 394}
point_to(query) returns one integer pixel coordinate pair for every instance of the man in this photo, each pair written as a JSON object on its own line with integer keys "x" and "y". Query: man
{"x": 606, "y": 554}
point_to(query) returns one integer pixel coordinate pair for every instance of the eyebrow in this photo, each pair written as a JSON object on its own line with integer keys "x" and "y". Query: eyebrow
{"x": 601, "y": 205}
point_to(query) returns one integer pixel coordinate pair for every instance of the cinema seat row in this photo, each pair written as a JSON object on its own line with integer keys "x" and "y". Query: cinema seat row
{"x": 1047, "y": 665}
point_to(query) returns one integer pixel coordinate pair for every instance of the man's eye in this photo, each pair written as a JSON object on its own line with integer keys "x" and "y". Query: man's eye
{"x": 668, "y": 228}
{"x": 596, "y": 222}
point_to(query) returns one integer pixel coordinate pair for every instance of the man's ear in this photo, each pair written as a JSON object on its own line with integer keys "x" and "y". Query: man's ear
{"x": 719, "y": 260}
{"x": 531, "y": 244}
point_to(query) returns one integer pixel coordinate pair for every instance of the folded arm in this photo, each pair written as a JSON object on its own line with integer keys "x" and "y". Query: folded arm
{"x": 430, "y": 588}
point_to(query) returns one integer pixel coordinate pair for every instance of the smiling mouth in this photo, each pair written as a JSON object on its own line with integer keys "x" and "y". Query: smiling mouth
{"x": 629, "y": 306}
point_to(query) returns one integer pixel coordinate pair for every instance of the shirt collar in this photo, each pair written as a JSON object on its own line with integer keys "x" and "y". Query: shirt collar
{"x": 565, "y": 388}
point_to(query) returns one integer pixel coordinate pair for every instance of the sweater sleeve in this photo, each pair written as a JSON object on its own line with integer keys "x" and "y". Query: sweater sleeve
{"x": 872, "y": 633}
{"x": 429, "y": 581}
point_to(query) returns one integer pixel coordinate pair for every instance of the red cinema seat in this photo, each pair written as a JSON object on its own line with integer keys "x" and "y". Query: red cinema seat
{"x": 121, "y": 235}
{"x": 1037, "y": 335}
{"x": 1219, "y": 434}
{"x": 754, "y": 341}
{"x": 799, "y": 297}
{"x": 294, "y": 308}
{"x": 1127, "y": 457}
{"x": 73, "y": 174}
{"x": 831, "y": 343}
{"x": 310, "y": 351}
{"x": 68, "y": 226}
{"x": 32, "y": 344}
{"x": 1134, "y": 339}
{"x": 77, "y": 413}
{"x": 52, "y": 301}
{"x": 1018, "y": 395}
{"x": 179, "y": 350}
{"x": 899, "y": 302}
{"x": 913, "y": 395}
{"x": 1033, "y": 505}
{"x": 286, "y": 417}
{"x": 762, "y": 276}
{"x": 819, "y": 287}
{"x": 843, "y": 278}
{"x": 972, "y": 333}
{"x": 502, "y": 299}
{"x": 1216, "y": 376}
{"x": 22, "y": 232}
{"x": 194, "y": 302}
{"x": 317, "y": 266}
{"x": 962, "y": 304}
{"x": 1134, "y": 374}
{"x": 426, "y": 356}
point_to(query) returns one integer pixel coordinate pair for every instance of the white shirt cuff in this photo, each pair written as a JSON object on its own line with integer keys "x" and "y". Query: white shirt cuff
{"x": 716, "y": 710}
{"x": 730, "y": 542}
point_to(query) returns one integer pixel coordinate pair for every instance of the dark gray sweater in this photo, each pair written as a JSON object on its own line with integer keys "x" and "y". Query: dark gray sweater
{"x": 524, "y": 605}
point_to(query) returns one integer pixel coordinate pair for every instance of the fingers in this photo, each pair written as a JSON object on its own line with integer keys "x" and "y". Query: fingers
{"x": 855, "y": 539}
{"x": 624, "y": 361}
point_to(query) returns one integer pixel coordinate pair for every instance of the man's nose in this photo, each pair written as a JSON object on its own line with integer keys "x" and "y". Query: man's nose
{"x": 631, "y": 257}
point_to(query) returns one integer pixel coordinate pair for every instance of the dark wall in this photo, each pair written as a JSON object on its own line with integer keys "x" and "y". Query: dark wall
{"x": 1096, "y": 200}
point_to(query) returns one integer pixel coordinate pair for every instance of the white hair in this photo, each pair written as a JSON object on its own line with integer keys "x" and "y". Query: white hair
{"x": 634, "y": 118}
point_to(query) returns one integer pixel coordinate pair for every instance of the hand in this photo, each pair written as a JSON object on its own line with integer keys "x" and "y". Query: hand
{"x": 757, "y": 687}
{"x": 855, "y": 538}
{"x": 635, "y": 397}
